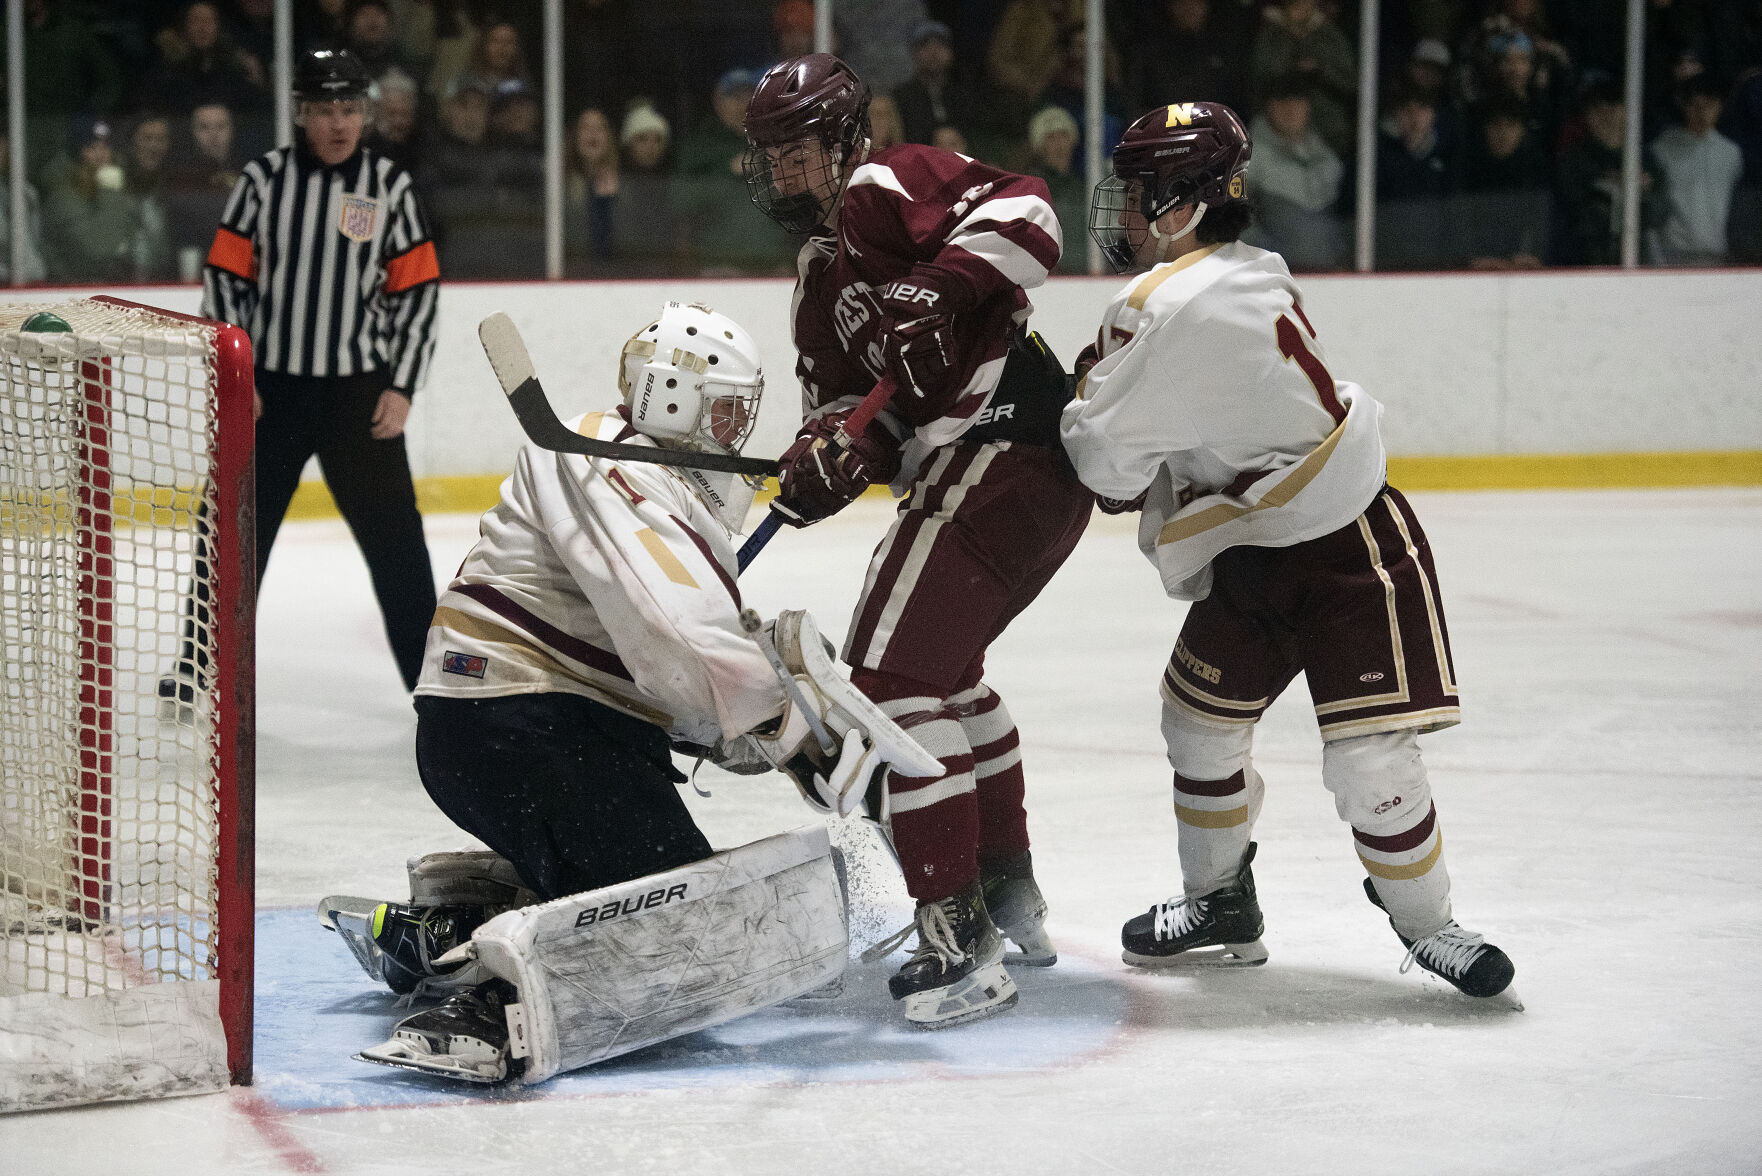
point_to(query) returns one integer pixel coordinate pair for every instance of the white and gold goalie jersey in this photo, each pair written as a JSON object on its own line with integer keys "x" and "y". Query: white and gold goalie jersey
{"x": 1211, "y": 394}
{"x": 607, "y": 579}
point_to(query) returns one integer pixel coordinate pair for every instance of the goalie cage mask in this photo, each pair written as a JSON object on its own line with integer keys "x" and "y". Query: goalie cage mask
{"x": 1182, "y": 153}
{"x": 692, "y": 380}
{"x": 816, "y": 99}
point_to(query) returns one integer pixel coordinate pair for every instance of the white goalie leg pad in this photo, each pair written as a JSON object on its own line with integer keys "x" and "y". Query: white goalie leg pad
{"x": 610, "y": 971}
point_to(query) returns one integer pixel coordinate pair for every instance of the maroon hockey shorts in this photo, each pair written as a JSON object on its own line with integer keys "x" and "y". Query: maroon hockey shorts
{"x": 985, "y": 527}
{"x": 1357, "y": 611}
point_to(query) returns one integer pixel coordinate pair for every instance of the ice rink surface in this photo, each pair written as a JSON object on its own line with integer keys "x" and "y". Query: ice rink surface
{"x": 1603, "y": 807}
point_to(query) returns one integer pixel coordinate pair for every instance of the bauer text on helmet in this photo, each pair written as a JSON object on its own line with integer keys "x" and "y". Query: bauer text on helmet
{"x": 692, "y": 379}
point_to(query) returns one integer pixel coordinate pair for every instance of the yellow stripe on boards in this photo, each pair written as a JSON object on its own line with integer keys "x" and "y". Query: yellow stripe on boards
{"x": 474, "y": 494}
{"x": 1578, "y": 471}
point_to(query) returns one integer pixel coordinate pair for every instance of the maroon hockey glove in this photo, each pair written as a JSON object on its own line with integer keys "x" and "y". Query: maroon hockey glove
{"x": 917, "y": 340}
{"x": 819, "y": 477}
{"x": 1121, "y": 505}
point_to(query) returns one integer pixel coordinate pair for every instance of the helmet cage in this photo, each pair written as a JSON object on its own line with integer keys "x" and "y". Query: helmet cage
{"x": 692, "y": 379}
{"x": 818, "y": 185}
{"x": 816, "y": 98}
{"x": 1123, "y": 208}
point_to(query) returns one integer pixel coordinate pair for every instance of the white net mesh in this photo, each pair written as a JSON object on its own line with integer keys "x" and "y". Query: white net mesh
{"x": 108, "y": 826}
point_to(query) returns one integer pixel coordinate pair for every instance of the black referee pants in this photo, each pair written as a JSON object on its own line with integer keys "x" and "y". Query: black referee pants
{"x": 332, "y": 417}
{"x": 575, "y": 794}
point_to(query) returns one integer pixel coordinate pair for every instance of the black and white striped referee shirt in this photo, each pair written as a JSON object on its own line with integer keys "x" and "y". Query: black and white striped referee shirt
{"x": 330, "y": 270}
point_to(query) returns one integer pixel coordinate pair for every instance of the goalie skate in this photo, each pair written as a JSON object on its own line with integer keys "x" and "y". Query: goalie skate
{"x": 464, "y": 1038}
{"x": 401, "y": 946}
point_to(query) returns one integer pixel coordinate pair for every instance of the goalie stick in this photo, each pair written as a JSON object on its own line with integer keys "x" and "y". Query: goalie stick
{"x": 852, "y": 428}
{"x": 512, "y": 364}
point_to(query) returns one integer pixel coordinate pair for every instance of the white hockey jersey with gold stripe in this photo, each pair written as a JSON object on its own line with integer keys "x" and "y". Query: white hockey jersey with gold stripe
{"x": 607, "y": 579}
{"x": 1213, "y": 395}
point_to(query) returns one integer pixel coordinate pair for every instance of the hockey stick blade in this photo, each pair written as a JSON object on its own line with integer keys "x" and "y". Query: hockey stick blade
{"x": 509, "y": 359}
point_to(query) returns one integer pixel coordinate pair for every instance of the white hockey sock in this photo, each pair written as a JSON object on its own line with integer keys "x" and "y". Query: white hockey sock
{"x": 1380, "y": 789}
{"x": 1215, "y": 819}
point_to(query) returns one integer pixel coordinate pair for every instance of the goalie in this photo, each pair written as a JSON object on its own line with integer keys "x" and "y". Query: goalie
{"x": 596, "y": 626}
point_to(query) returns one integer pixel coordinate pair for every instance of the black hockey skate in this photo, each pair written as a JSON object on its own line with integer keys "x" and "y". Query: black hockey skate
{"x": 465, "y": 1037}
{"x": 1219, "y": 930}
{"x": 402, "y": 944}
{"x": 1018, "y": 909}
{"x": 1462, "y": 957}
{"x": 956, "y": 973}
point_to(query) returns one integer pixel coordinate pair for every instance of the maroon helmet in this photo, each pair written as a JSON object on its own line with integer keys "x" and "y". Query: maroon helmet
{"x": 1186, "y": 151}
{"x": 816, "y": 97}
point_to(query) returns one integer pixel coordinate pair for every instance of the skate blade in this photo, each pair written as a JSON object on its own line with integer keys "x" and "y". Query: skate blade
{"x": 480, "y": 1066}
{"x": 985, "y": 993}
{"x": 332, "y": 905}
{"x": 1228, "y": 955}
{"x": 1035, "y": 944}
{"x": 1508, "y": 1000}
{"x": 352, "y": 918}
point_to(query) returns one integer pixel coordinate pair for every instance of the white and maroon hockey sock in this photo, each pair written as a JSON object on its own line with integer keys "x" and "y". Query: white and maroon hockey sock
{"x": 997, "y": 772}
{"x": 1380, "y": 789}
{"x": 1214, "y": 821}
{"x": 935, "y": 819}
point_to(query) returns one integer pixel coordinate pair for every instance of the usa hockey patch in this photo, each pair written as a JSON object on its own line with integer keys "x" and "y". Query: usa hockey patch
{"x": 464, "y": 664}
{"x": 357, "y": 218}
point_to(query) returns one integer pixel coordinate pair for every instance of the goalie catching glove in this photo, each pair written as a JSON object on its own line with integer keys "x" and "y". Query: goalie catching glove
{"x": 819, "y": 477}
{"x": 830, "y": 739}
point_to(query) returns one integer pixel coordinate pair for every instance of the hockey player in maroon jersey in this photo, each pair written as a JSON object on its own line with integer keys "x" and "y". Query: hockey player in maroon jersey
{"x": 914, "y": 272}
{"x": 1207, "y": 404}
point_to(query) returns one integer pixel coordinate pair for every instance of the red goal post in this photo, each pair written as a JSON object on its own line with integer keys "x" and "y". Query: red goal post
{"x": 127, "y": 704}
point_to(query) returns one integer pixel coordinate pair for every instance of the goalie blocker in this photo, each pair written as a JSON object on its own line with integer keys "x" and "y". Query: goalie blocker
{"x": 603, "y": 973}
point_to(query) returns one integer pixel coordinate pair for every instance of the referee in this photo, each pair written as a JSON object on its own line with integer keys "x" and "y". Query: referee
{"x": 324, "y": 258}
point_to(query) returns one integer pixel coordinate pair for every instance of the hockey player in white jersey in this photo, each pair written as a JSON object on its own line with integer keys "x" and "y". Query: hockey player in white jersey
{"x": 1206, "y": 403}
{"x": 595, "y": 627}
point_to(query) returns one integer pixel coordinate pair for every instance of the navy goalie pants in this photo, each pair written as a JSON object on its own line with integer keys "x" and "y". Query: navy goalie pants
{"x": 575, "y": 794}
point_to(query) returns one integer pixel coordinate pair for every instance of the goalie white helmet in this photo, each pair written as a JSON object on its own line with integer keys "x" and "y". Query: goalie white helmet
{"x": 692, "y": 379}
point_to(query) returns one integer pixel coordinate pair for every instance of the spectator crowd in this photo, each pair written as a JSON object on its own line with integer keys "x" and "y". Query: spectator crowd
{"x": 1498, "y": 144}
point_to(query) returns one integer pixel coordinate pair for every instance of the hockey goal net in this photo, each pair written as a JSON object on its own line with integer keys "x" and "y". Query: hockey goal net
{"x": 127, "y": 591}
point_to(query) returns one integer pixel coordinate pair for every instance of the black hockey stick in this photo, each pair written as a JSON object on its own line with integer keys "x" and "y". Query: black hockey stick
{"x": 514, "y": 371}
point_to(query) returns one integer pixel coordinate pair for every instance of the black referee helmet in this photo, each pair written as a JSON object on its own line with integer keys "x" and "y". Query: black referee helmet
{"x": 326, "y": 74}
